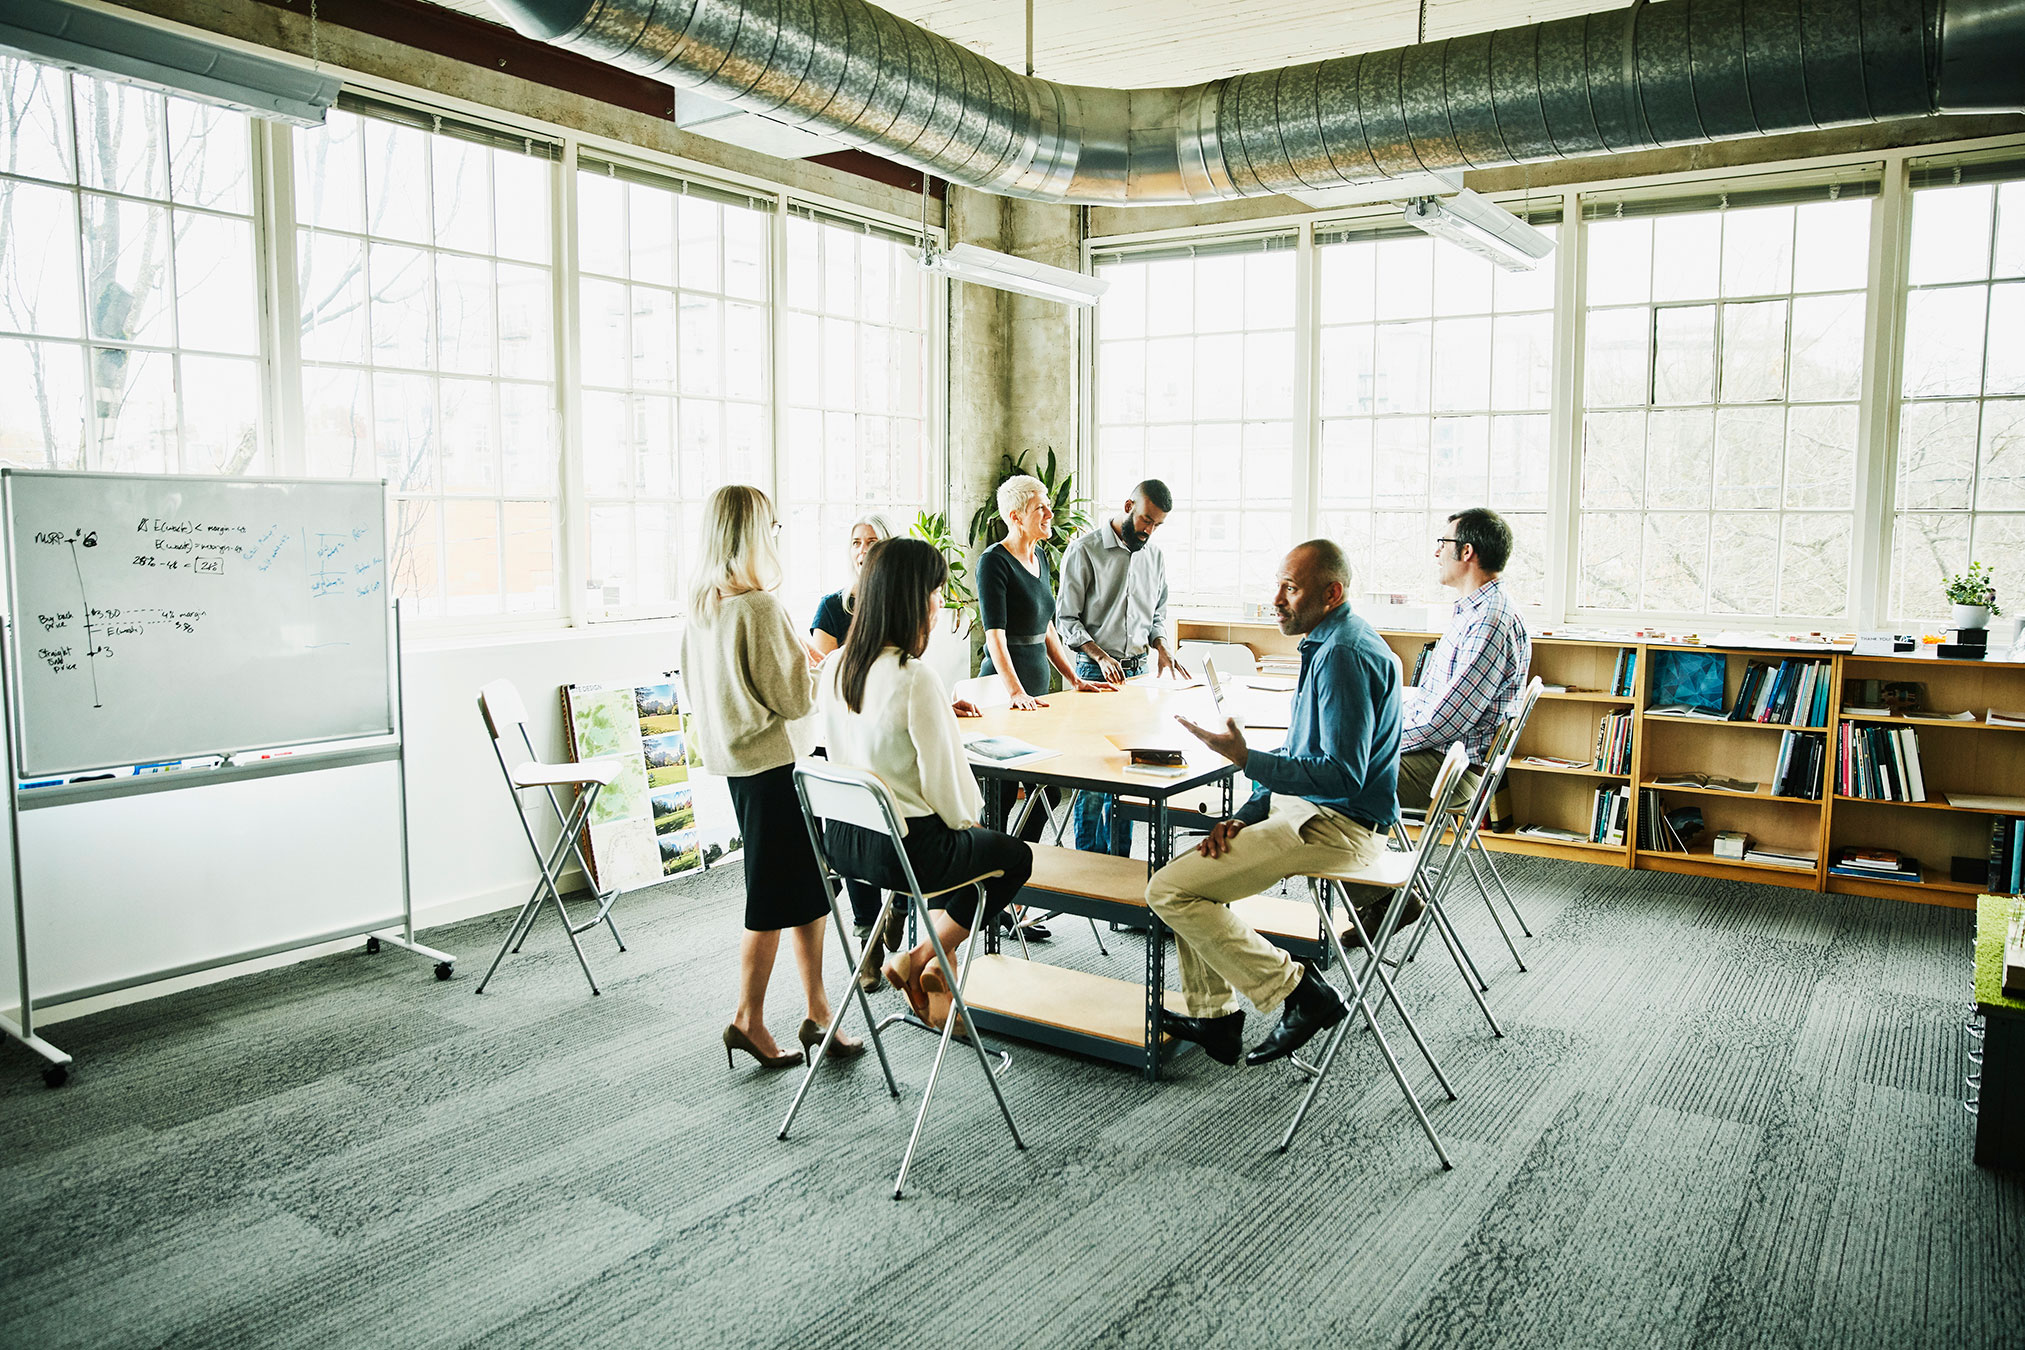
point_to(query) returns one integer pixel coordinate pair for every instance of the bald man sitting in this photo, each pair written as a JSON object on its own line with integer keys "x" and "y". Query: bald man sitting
{"x": 1323, "y": 801}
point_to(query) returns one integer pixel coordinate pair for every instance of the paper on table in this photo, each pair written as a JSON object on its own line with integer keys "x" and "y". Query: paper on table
{"x": 1005, "y": 750}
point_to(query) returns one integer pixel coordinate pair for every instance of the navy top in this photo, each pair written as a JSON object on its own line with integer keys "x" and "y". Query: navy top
{"x": 1342, "y": 746}
{"x": 1023, "y": 604}
{"x": 832, "y": 617}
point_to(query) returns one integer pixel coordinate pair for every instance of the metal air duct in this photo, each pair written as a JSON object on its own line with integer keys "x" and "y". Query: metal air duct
{"x": 1674, "y": 73}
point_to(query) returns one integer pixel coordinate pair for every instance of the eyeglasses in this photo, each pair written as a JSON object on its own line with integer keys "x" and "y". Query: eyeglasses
{"x": 776, "y": 528}
{"x": 1459, "y": 545}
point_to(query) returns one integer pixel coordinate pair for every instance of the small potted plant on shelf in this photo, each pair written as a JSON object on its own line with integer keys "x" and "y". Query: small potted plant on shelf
{"x": 1974, "y": 595}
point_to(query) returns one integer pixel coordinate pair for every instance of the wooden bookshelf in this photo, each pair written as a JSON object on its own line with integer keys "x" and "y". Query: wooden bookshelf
{"x": 1955, "y": 757}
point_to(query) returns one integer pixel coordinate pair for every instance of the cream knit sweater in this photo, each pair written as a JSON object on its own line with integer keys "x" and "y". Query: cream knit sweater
{"x": 748, "y": 676}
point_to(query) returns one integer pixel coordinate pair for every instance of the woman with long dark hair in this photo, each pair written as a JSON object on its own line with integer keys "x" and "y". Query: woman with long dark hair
{"x": 886, "y": 712}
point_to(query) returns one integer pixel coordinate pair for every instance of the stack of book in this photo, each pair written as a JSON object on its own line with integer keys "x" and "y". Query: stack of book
{"x": 1795, "y": 693}
{"x": 1782, "y": 857}
{"x": 1661, "y": 830}
{"x": 1799, "y": 770}
{"x": 1880, "y": 764}
{"x": 1613, "y": 743}
{"x": 1607, "y": 815}
{"x": 1874, "y": 864}
{"x": 1625, "y": 676}
{"x": 2007, "y": 855}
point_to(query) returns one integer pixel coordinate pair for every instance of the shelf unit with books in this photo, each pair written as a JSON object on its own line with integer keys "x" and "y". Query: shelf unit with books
{"x": 1956, "y": 757}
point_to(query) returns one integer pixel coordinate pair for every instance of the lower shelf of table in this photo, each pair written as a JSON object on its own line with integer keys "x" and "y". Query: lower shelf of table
{"x": 1071, "y": 1009}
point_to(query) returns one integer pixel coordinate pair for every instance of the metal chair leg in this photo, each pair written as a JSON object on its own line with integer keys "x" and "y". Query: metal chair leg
{"x": 1478, "y": 840}
{"x": 546, "y": 891}
{"x": 1477, "y": 880}
{"x": 837, "y": 1021}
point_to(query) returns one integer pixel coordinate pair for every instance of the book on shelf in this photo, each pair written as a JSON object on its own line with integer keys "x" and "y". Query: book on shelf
{"x": 1798, "y": 773}
{"x": 1552, "y": 762}
{"x": 1687, "y": 684}
{"x": 1553, "y": 832}
{"x": 1875, "y": 864}
{"x": 1689, "y": 711}
{"x": 1879, "y": 763}
{"x": 1713, "y": 782}
{"x": 2007, "y": 854}
{"x": 1794, "y": 692}
{"x": 1928, "y": 715}
{"x": 1608, "y": 810}
{"x": 1781, "y": 857}
{"x": 1849, "y": 710}
{"x": 1420, "y": 662}
{"x": 1624, "y": 675}
{"x": 1997, "y": 717}
{"x": 1613, "y": 743}
{"x": 1546, "y": 688}
{"x": 1983, "y": 801}
{"x": 1732, "y": 844}
{"x": 1664, "y": 831}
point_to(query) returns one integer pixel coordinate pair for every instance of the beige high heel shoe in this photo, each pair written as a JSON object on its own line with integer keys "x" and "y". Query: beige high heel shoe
{"x": 734, "y": 1039}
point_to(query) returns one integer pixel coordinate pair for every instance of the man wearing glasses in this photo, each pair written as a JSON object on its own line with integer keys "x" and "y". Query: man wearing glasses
{"x": 1472, "y": 679}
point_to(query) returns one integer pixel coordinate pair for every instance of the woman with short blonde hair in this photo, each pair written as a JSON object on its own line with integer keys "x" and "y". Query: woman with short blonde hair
{"x": 747, "y": 676}
{"x": 1018, "y": 604}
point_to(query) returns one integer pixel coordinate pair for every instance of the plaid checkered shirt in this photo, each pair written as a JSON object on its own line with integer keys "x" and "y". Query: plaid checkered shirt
{"x": 1472, "y": 679}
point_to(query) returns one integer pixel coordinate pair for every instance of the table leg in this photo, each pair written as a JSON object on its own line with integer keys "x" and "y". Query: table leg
{"x": 1159, "y": 849}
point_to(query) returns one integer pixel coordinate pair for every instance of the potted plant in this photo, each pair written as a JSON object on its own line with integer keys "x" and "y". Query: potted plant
{"x": 1974, "y": 595}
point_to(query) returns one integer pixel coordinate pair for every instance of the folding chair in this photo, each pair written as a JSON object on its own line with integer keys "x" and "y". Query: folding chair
{"x": 499, "y": 704}
{"x": 829, "y": 792}
{"x": 1468, "y": 822}
{"x": 1372, "y": 986}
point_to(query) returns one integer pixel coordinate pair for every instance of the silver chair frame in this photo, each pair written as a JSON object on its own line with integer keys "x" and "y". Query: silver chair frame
{"x": 1372, "y": 985}
{"x": 546, "y": 890}
{"x": 956, "y": 976}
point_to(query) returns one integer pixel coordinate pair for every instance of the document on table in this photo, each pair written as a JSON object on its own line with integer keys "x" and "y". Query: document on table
{"x": 1005, "y": 750}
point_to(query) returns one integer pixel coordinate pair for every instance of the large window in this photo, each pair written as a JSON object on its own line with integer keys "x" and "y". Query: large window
{"x": 1723, "y": 361}
{"x": 1960, "y": 490}
{"x": 1433, "y": 390}
{"x": 1196, "y": 361}
{"x": 857, "y": 396}
{"x": 672, "y": 303}
{"x": 428, "y": 354}
{"x": 128, "y": 325}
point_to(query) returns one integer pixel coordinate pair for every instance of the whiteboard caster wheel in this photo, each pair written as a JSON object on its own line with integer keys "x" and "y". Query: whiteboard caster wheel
{"x": 372, "y": 946}
{"x": 56, "y": 1075}
{"x": 442, "y": 970}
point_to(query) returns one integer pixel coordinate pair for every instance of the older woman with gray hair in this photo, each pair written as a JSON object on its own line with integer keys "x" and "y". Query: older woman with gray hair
{"x": 1017, "y": 602}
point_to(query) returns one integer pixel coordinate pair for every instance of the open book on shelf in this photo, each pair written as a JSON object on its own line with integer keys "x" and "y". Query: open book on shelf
{"x": 1710, "y": 781}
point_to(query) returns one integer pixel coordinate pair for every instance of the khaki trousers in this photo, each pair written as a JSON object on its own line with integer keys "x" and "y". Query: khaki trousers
{"x": 1221, "y": 956}
{"x": 1417, "y": 771}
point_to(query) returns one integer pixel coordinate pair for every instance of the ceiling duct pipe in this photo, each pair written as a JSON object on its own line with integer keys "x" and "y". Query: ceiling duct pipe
{"x": 1680, "y": 72}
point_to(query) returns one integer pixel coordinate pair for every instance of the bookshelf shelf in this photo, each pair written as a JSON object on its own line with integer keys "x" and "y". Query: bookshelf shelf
{"x": 1573, "y": 772}
{"x": 1763, "y": 794}
{"x": 1565, "y": 725}
{"x": 1671, "y": 720}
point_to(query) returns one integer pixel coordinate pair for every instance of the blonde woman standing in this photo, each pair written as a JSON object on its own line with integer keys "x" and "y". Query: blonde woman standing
{"x": 748, "y": 676}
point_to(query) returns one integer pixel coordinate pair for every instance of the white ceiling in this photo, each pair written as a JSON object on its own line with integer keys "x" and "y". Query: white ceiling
{"x": 1143, "y": 43}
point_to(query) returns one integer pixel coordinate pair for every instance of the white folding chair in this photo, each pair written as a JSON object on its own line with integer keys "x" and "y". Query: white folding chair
{"x": 1233, "y": 660}
{"x": 1371, "y": 986}
{"x": 829, "y": 792}
{"x": 505, "y": 716}
{"x": 1467, "y": 824}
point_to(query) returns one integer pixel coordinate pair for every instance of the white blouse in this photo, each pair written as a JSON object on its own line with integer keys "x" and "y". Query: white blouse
{"x": 906, "y": 735}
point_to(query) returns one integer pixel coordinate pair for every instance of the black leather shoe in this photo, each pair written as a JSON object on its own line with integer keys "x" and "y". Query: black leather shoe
{"x": 1313, "y": 1006}
{"x": 1035, "y": 932}
{"x": 1222, "y": 1037}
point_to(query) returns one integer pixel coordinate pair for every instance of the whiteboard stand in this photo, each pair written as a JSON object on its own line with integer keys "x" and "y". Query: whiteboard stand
{"x": 239, "y": 561}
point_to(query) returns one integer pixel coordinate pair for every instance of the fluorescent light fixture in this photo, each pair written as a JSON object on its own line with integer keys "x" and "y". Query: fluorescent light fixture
{"x": 1002, "y": 271}
{"x": 1364, "y": 192}
{"x": 99, "y": 40}
{"x": 1483, "y": 227}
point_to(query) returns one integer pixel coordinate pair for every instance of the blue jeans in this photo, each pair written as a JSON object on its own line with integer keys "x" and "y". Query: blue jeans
{"x": 1100, "y": 827}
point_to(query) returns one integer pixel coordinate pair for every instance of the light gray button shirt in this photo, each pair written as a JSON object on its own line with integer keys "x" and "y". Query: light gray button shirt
{"x": 1111, "y": 594}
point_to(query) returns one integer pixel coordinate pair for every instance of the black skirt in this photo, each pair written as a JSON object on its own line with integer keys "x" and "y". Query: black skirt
{"x": 940, "y": 857}
{"x": 783, "y": 888}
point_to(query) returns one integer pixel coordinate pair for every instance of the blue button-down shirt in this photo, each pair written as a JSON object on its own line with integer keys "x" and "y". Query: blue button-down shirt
{"x": 1342, "y": 746}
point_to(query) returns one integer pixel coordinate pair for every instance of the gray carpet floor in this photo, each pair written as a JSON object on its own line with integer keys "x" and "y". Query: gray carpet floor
{"x": 1723, "y": 1115}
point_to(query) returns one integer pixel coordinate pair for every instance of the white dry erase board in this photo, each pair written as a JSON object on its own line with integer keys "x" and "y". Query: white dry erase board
{"x": 161, "y": 617}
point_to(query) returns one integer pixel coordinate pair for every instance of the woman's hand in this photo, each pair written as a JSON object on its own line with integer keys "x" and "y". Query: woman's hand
{"x": 1025, "y": 702}
{"x": 963, "y": 707}
{"x": 1094, "y": 686}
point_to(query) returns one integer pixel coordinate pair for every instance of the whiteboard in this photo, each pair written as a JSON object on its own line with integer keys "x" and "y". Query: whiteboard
{"x": 166, "y": 616}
